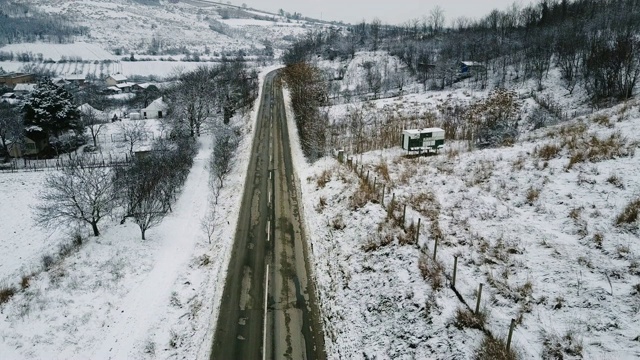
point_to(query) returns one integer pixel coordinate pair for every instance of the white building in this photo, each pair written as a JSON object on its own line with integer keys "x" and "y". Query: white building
{"x": 116, "y": 79}
{"x": 156, "y": 110}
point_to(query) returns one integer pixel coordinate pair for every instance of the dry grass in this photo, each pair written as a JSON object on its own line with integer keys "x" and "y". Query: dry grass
{"x": 322, "y": 203}
{"x": 425, "y": 203}
{"x": 25, "y": 282}
{"x": 630, "y": 213}
{"x": 409, "y": 235}
{"x": 548, "y": 152}
{"x": 383, "y": 170}
{"x": 363, "y": 195}
{"x": 432, "y": 271}
{"x": 6, "y": 293}
{"x": 466, "y": 319}
{"x": 603, "y": 120}
{"x": 532, "y": 195}
{"x": 323, "y": 179}
{"x": 338, "y": 223}
{"x": 616, "y": 181}
{"x": 597, "y": 239}
{"x": 556, "y": 347}
{"x": 493, "y": 348}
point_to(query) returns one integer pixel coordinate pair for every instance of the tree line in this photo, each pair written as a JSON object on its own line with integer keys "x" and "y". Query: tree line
{"x": 593, "y": 43}
{"x": 21, "y": 23}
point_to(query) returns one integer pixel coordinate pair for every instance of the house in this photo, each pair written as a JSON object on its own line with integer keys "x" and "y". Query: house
{"x": 24, "y": 89}
{"x": 423, "y": 139}
{"x": 143, "y": 87}
{"x": 86, "y": 109}
{"x": 125, "y": 86}
{"x": 9, "y": 95}
{"x": 111, "y": 90}
{"x": 156, "y": 110}
{"x": 12, "y": 79}
{"x": 469, "y": 67}
{"x": 34, "y": 142}
{"x": 76, "y": 79}
{"x": 60, "y": 82}
{"x": 116, "y": 79}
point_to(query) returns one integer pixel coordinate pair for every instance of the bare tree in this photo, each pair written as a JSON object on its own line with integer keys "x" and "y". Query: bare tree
{"x": 79, "y": 193}
{"x": 134, "y": 132}
{"x": 11, "y": 126}
{"x": 224, "y": 153}
{"x": 209, "y": 223}
{"x": 193, "y": 101}
{"x": 437, "y": 19}
{"x": 91, "y": 120}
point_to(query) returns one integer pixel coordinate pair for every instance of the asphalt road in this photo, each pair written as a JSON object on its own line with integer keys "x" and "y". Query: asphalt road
{"x": 268, "y": 308}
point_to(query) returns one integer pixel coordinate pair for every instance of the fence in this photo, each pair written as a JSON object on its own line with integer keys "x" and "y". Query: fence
{"x": 380, "y": 190}
{"x": 56, "y": 164}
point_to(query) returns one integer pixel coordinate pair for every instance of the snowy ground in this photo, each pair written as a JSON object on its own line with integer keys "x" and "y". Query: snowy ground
{"x": 120, "y": 297}
{"x": 538, "y": 233}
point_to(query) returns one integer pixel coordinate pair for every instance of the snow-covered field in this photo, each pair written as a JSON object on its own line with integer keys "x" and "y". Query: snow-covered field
{"x": 159, "y": 69}
{"x": 538, "y": 233}
{"x": 56, "y": 52}
{"x": 131, "y": 27}
{"x": 117, "y": 296}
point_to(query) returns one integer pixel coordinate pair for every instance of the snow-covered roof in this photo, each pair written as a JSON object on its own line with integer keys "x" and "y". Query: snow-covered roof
{"x": 157, "y": 104}
{"x": 8, "y": 95}
{"x": 145, "y": 85}
{"x": 114, "y": 88}
{"x": 75, "y": 77}
{"x": 25, "y": 87}
{"x": 471, "y": 63}
{"x": 421, "y": 131}
{"x": 118, "y": 77}
{"x": 125, "y": 85}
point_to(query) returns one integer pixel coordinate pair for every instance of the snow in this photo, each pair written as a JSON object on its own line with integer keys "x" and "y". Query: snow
{"x": 117, "y": 296}
{"x": 55, "y": 52}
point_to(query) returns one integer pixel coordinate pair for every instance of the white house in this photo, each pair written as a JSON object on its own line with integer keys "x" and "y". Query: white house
{"x": 116, "y": 79}
{"x": 156, "y": 110}
{"x": 87, "y": 109}
{"x": 125, "y": 86}
{"x": 24, "y": 89}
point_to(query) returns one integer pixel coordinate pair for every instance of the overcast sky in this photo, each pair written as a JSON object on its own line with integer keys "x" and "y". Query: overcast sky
{"x": 389, "y": 11}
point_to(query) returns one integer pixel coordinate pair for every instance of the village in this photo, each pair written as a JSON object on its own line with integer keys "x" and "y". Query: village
{"x": 118, "y": 98}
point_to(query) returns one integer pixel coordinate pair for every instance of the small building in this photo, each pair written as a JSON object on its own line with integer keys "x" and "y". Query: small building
{"x": 24, "y": 89}
{"x": 125, "y": 86}
{"x": 33, "y": 143}
{"x": 468, "y": 67}
{"x": 116, "y": 79}
{"x": 423, "y": 139}
{"x": 76, "y": 79}
{"x": 143, "y": 87}
{"x": 156, "y": 110}
{"x": 12, "y": 79}
{"x": 111, "y": 90}
{"x": 88, "y": 110}
{"x": 60, "y": 82}
{"x": 9, "y": 95}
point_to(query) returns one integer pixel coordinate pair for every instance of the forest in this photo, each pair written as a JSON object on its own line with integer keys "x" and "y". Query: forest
{"x": 21, "y": 23}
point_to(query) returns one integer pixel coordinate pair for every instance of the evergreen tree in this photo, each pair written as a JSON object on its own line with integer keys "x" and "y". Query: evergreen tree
{"x": 51, "y": 108}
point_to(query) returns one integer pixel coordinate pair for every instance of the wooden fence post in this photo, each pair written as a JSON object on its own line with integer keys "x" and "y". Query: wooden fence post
{"x": 375, "y": 182}
{"x": 367, "y": 177}
{"x": 404, "y": 216}
{"x": 478, "y": 301}
{"x": 418, "y": 231}
{"x": 511, "y": 327}
{"x": 435, "y": 249}
{"x": 382, "y": 198}
{"x": 455, "y": 271}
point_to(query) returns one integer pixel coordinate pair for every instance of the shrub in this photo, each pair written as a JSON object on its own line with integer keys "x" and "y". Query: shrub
{"x": 597, "y": 239}
{"x": 493, "y": 348}
{"x": 630, "y": 213}
{"x": 47, "y": 261}
{"x": 321, "y": 204}
{"x": 383, "y": 170}
{"x": 6, "y": 293}
{"x": 466, "y": 319}
{"x": 338, "y": 223}
{"x": 25, "y": 281}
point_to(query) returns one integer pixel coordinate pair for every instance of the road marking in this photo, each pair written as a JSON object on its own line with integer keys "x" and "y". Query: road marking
{"x": 264, "y": 330}
{"x": 268, "y": 230}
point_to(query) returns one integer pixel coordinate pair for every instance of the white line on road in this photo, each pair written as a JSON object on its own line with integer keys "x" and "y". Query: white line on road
{"x": 268, "y": 230}
{"x": 264, "y": 330}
